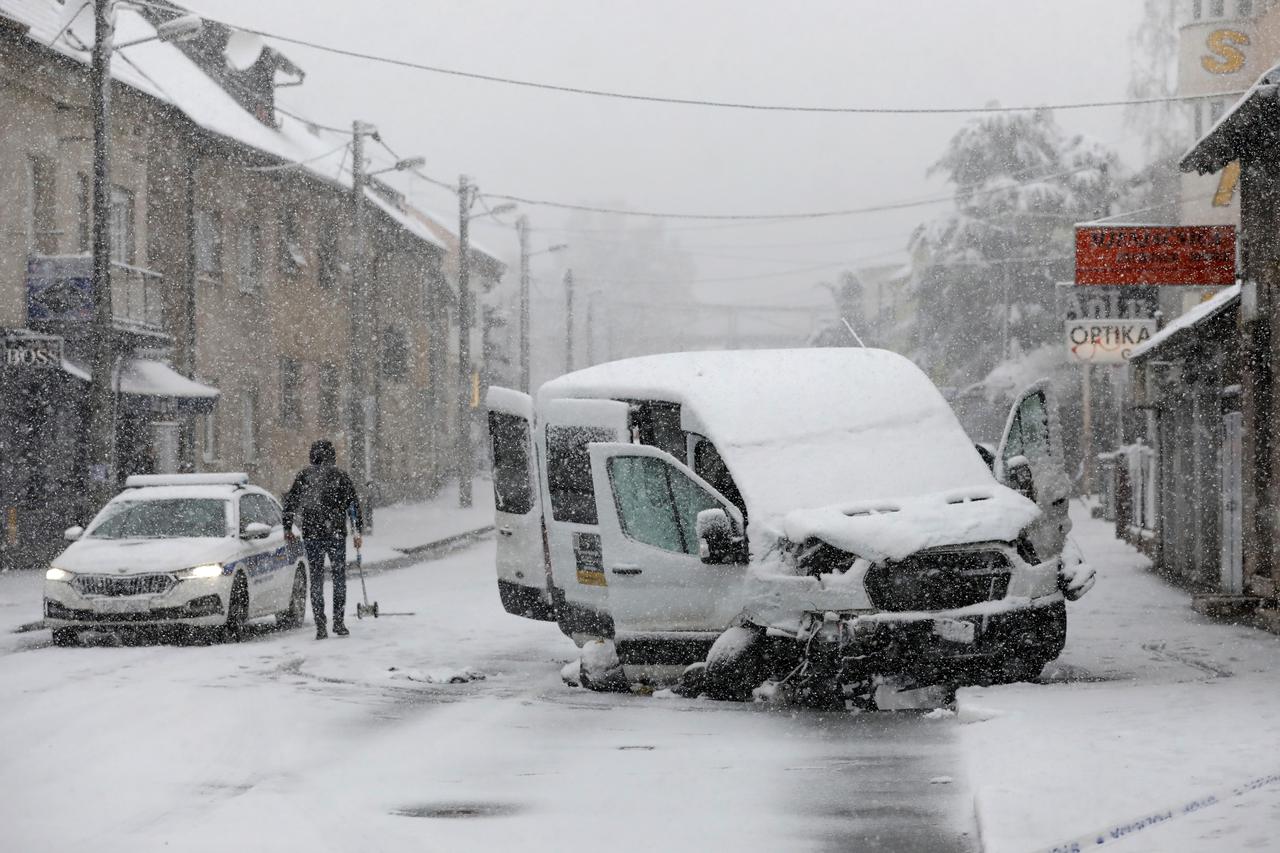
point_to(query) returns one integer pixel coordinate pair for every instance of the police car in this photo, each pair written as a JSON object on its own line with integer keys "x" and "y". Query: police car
{"x": 204, "y": 552}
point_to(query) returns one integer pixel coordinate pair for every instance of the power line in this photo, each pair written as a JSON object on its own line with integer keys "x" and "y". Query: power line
{"x": 697, "y": 102}
{"x": 300, "y": 163}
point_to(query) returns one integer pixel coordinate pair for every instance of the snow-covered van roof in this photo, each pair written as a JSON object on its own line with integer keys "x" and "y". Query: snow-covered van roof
{"x": 804, "y": 428}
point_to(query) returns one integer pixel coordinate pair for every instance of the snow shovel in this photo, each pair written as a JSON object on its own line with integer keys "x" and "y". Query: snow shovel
{"x": 365, "y": 609}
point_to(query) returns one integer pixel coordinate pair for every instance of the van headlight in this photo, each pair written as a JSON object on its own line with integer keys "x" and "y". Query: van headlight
{"x": 57, "y": 574}
{"x": 209, "y": 570}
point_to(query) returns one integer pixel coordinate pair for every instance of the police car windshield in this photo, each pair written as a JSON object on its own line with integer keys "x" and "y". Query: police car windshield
{"x": 168, "y": 518}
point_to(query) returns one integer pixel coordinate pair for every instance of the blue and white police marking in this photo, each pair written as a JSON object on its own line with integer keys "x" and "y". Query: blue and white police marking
{"x": 1120, "y": 831}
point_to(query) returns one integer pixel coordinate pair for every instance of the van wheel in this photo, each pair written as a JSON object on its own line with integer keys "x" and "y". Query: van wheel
{"x": 735, "y": 664}
{"x": 297, "y": 611}
{"x": 600, "y": 670}
{"x": 66, "y": 637}
{"x": 237, "y": 611}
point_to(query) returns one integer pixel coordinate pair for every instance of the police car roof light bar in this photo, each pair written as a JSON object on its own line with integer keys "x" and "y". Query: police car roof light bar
{"x": 139, "y": 481}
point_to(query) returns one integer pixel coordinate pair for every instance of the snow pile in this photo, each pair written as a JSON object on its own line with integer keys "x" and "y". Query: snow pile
{"x": 437, "y": 676}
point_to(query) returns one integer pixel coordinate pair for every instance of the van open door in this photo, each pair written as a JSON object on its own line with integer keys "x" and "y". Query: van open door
{"x": 656, "y": 517}
{"x": 517, "y": 507}
{"x": 573, "y": 533}
{"x": 1030, "y": 462}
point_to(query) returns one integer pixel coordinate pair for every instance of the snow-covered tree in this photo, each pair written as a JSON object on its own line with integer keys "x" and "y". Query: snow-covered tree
{"x": 985, "y": 273}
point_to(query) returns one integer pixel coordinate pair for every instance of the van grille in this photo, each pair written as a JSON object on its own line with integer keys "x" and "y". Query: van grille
{"x": 129, "y": 585}
{"x": 939, "y": 580}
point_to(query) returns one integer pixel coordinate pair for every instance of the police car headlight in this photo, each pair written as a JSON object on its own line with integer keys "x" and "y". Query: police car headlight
{"x": 57, "y": 574}
{"x": 211, "y": 570}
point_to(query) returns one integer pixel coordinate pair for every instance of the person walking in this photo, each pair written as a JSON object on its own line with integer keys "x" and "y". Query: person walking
{"x": 324, "y": 495}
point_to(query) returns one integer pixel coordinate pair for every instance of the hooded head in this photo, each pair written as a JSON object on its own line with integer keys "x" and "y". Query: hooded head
{"x": 322, "y": 453}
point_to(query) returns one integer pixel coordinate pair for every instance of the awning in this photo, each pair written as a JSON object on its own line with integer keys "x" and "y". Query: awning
{"x": 147, "y": 377}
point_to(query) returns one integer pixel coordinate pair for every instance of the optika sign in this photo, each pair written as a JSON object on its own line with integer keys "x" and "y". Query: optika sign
{"x": 1106, "y": 341}
{"x": 32, "y": 352}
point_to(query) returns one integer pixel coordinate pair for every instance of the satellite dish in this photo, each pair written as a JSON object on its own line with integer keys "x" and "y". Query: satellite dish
{"x": 243, "y": 50}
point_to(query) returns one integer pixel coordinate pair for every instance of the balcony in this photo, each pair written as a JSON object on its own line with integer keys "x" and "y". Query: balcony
{"x": 60, "y": 297}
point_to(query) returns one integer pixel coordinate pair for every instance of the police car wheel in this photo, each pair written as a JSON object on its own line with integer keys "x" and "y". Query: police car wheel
{"x": 237, "y": 611}
{"x": 66, "y": 637}
{"x": 297, "y": 611}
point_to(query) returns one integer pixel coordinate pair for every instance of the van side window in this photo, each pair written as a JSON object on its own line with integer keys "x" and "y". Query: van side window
{"x": 710, "y": 466}
{"x": 657, "y": 424}
{"x": 512, "y": 486}
{"x": 657, "y": 504}
{"x": 569, "y": 472}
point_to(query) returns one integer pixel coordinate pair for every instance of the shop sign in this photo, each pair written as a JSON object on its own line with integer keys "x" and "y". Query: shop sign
{"x": 1106, "y": 341}
{"x": 32, "y": 351}
{"x": 60, "y": 289}
{"x": 1200, "y": 255}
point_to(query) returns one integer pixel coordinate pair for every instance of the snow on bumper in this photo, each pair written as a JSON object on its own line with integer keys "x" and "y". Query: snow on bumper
{"x": 197, "y": 602}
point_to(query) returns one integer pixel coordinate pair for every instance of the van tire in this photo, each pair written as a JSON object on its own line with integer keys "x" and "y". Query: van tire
{"x": 735, "y": 664}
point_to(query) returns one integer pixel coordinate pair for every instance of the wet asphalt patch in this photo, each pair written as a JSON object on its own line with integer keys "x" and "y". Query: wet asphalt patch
{"x": 455, "y": 810}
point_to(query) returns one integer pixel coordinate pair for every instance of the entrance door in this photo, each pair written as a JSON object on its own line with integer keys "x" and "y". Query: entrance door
{"x": 573, "y": 532}
{"x": 1232, "y": 500}
{"x": 523, "y": 582}
{"x": 648, "y": 504}
{"x": 1030, "y": 462}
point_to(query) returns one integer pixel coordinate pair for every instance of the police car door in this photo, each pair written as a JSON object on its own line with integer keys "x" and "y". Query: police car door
{"x": 648, "y": 504}
{"x": 573, "y": 533}
{"x": 524, "y": 580}
{"x": 264, "y": 558}
{"x": 1030, "y": 462}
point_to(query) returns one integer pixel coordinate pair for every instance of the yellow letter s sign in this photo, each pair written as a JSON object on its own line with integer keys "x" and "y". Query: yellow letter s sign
{"x": 1224, "y": 47}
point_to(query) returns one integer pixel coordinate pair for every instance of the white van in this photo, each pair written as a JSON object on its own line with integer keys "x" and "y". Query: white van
{"x": 782, "y": 506}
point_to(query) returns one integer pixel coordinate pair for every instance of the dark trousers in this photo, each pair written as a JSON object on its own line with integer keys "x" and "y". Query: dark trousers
{"x": 336, "y": 550}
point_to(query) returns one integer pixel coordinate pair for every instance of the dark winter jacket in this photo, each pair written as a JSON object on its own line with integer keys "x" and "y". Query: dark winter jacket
{"x": 322, "y": 494}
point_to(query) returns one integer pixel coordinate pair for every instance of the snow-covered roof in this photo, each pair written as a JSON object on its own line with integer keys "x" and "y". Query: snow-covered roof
{"x": 162, "y": 71}
{"x": 1228, "y": 137}
{"x": 805, "y": 427}
{"x": 1221, "y": 301}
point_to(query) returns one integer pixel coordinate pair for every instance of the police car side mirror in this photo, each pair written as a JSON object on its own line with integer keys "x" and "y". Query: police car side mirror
{"x": 256, "y": 530}
{"x": 719, "y": 540}
{"x": 71, "y": 534}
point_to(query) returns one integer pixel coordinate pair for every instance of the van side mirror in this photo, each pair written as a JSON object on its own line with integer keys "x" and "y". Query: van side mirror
{"x": 256, "y": 530}
{"x": 71, "y": 534}
{"x": 1017, "y": 475}
{"x": 719, "y": 540}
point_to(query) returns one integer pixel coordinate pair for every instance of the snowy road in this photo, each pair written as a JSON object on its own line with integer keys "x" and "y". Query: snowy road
{"x": 352, "y": 744}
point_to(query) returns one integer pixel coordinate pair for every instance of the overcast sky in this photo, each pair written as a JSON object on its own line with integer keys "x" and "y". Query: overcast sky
{"x": 700, "y": 160}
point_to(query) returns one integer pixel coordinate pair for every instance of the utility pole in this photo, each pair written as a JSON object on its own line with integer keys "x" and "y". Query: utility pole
{"x": 568, "y": 321}
{"x": 465, "y": 463}
{"x": 522, "y": 228}
{"x": 101, "y": 421}
{"x": 361, "y": 406}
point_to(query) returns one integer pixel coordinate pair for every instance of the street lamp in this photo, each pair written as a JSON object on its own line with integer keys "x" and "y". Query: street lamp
{"x": 100, "y": 421}
{"x": 522, "y": 228}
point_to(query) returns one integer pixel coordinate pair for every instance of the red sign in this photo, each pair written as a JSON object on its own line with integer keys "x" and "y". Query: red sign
{"x": 1156, "y": 254}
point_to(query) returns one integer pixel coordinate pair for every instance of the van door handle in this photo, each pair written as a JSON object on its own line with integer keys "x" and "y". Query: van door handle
{"x": 626, "y": 570}
{"x": 506, "y": 531}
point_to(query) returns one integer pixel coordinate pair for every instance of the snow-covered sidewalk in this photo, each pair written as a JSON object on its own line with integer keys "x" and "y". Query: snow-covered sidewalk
{"x": 1150, "y": 708}
{"x": 403, "y": 529}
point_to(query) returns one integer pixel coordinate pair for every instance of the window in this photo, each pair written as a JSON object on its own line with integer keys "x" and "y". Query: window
{"x": 328, "y": 402}
{"x": 512, "y": 485}
{"x": 250, "y": 266}
{"x": 395, "y": 354}
{"x": 84, "y": 213}
{"x": 1197, "y": 9}
{"x": 259, "y": 509}
{"x": 44, "y": 237}
{"x": 657, "y": 504}
{"x": 208, "y": 243}
{"x": 292, "y": 258}
{"x": 210, "y": 437}
{"x": 1216, "y": 108}
{"x": 1198, "y": 116}
{"x": 1217, "y": 8}
{"x": 710, "y": 466}
{"x": 290, "y": 392}
{"x": 122, "y": 241}
{"x": 1244, "y": 9}
{"x": 249, "y": 425}
{"x": 569, "y": 472}
{"x": 327, "y": 258}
